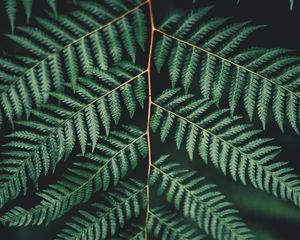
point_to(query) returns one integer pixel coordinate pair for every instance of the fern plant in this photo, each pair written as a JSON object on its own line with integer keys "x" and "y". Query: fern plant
{"x": 102, "y": 137}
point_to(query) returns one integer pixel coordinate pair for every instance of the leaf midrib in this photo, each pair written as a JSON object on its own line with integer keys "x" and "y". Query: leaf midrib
{"x": 199, "y": 200}
{"x": 68, "y": 119}
{"x": 228, "y": 61}
{"x": 6, "y": 89}
{"x": 49, "y": 204}
{"x": 91, "y": 224}
{"x": 256, "y": 162}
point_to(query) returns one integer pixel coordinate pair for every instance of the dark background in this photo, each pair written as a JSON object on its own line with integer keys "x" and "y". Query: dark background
{"x": 270, "y": 218}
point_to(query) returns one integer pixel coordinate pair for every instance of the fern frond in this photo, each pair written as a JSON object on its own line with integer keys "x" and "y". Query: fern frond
{"x": 134, "y": 232}
{"x": 75, "y": 87}
{"x": 212, "y": 33}
{"x": 198, "y": 201}
{"x": 162, "y": 50}
{"x": 127, "y": 37}
{"x": 165, "y": 225}
{"x": 268, "y": 79}
{"x": 232, "y": 147}
{"x": 125, "y": 202}
{"x": 67, "y": 44}
{"x": 11, "y": 7}
{"x": 95, "y": 172}
{"x": 51, "y": 136}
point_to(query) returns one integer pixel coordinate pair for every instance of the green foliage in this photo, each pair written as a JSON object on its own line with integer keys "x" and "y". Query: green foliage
{"x": 83, "y": 76}
{"x": 263, "y": 80}
{"x": 93, "y": 173}
{"x": 61, "y": 48}
{"x": 51, "y": 136}
{"x": 168, "y": 225}
{"x": 134, "y": 232}
{"x": 125, "y": 202}
{"x": 232, "y": 147}
{"x": 197, "y": 201}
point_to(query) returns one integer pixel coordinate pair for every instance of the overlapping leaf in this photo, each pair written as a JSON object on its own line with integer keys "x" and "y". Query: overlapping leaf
{"x": 208, "y": 56}
{"x": 198, "y": 201}
{"x": 125, "y": 202}
{"x": 96, "y": 171}
{"x": 62, "y": 47}
{"x": 164, "y": 224}
{"x": 52, "y": 134}
{"x": 232, "y": 147}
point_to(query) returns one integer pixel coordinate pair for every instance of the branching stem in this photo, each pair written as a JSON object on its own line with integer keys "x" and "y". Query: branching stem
{"x": 152, "y": 26}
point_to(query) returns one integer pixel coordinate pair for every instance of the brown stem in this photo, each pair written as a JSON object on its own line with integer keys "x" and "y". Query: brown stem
{"x": 149, "y": 109}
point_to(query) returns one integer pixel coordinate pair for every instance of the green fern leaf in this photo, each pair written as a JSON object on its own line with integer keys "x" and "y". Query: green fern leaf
{"x": 66, "y": 44}
{"x": 253, "y": 73}
{"x": 127, "y": 37}
{"x": 125, "y": 202}
{"x": 11, "y": 10}
{"x": 27, "y": 7}
{"x": 11, "y": 7}
{"x": 166, "y": 225}
{"x": 75, "y": 86}
{"x": 198, "y": 201}
{"x": 59, "y": 127}
{"x": 161, "y": 52}
{"x": 231, "y": 146}
{"x": 140, "y": 29}
{"x": 84, "y": 178}
{"x": 52, "y": 4}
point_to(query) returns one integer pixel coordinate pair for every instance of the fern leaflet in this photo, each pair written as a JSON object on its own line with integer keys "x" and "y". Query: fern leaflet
{"x": 232, "y": 147}
{"x": 167, "y": 225}
{"x": 52, "y": 135}
{"x": 198, "y": 201}
{"x": 63, "y": 44}
{"x": 95, "y": 172}
{"x": 125, "y": 202}
{"x": 268, "y": 79}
